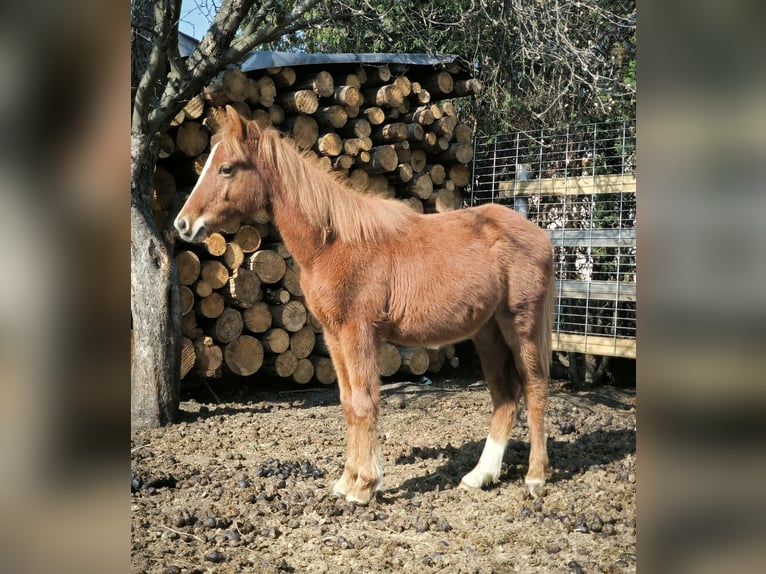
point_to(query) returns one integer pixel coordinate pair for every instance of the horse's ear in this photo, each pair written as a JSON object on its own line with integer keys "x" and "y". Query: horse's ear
{"x": 253, "y": 131}
{"x": 235, "y": 122}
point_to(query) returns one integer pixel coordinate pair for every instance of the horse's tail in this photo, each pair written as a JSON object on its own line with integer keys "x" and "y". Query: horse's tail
{"x": 546, "y": 326}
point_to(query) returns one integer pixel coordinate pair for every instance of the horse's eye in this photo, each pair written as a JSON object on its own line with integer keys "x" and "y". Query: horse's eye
{"x": 225, "y": 169}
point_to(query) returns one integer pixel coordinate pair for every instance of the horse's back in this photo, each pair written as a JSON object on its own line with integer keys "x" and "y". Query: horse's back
{"x": 498, "y": 226}
{"x": 511, "y": 220}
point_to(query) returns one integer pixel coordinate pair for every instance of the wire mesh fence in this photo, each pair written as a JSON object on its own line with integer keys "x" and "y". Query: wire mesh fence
{"x": 579, "y": 183}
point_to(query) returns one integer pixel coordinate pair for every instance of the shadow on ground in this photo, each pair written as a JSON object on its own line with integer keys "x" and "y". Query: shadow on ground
{"x": 568, "y": 459}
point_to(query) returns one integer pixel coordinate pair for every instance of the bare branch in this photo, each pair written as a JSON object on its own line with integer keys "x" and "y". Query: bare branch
{"x": 174, "y": 57}
{"x": 148, "y": 84}
{"x": 221, "y": 46}
{"x": 187, "y": 78}
{"x": 258, "y": 18}
{"x": 209, "y": 53}
{"x": 287, "y": 23}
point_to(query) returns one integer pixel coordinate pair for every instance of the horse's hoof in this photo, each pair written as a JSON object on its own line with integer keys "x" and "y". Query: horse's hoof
{"x": 467, "y": 486}
{"x": 361, "y": 494}
{"x": 342, "y": 487}
{"x": 535, "y": 486}
{"x": 358, "y": 498}
{"x": 476, "y": 480}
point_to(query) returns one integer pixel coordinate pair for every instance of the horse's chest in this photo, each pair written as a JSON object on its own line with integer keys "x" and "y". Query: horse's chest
{"x": 346, "y": 297}
{"x": 326, "y": 302}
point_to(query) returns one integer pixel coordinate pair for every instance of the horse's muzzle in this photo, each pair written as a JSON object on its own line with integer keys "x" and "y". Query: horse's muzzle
{"x": 188, "y": 232}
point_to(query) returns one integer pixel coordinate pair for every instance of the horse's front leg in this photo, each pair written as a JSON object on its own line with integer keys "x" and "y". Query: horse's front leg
{"x": 348, "y": 478}
{"x": 355, "y": 357}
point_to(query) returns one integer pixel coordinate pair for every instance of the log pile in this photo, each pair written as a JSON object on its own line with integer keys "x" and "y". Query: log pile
{"x": 393, "y": 130}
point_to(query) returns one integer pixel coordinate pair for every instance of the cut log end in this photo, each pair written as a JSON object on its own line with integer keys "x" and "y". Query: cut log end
{"x": 389, "y": 360}
{"x": 304, "y": 372}
{"x": 244, "y": 355}
{"x": 414, "y": 360}
{"x": 324, "y": 370}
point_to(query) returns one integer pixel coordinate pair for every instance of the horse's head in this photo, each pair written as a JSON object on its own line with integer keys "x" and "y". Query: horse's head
{"x": 230, "y": 185}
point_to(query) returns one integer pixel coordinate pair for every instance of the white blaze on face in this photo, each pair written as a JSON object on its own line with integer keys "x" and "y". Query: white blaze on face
{"x": 204, "y": 169}
{"x": 189, "y": 229}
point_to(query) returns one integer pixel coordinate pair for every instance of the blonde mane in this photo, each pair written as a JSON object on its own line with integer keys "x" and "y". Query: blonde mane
{"x": 327, "y": 201}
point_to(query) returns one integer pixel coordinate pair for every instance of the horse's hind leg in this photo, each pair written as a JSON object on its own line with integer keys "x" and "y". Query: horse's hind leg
{"x": 355, "y": 355}
{"x": 530, "y": 357}
{"x": 504, "y": 385}
{"x": 536, "y": 395}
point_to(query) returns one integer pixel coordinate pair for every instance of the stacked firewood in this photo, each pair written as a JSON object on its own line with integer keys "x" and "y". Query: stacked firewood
{"x": 393, "y": 130}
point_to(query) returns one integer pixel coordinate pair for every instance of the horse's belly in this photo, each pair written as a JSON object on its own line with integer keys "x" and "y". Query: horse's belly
{"x": 437, "y": 325}
{"x": 399, "y": 339}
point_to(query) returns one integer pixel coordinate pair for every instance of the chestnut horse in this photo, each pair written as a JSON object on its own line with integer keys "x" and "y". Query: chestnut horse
{"x": 373, "y": 269}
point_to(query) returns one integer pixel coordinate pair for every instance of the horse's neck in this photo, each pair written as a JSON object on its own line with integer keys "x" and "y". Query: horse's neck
{"x": 301, "y": 239}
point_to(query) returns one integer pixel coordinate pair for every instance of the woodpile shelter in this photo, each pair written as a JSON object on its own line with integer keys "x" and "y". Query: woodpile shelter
{"x": 390, "y": 122}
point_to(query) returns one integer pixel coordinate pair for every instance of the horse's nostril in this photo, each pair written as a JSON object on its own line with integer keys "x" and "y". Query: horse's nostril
{"x": 181, "y": 224}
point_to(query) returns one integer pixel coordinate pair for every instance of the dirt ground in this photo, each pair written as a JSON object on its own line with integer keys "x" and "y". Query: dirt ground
{"x": 243, "y": 485}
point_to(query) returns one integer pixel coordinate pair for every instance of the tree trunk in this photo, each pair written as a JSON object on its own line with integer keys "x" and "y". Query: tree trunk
{"x": 332, "y": 117}
{"x": 330, "y": 144}
{"x": 154, "y": 301}
{"x": 233, "y": 256}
